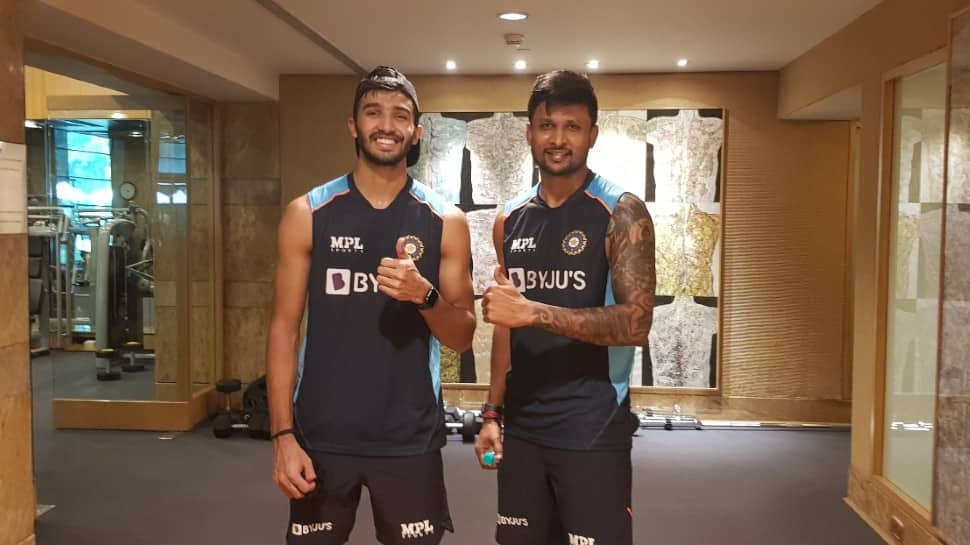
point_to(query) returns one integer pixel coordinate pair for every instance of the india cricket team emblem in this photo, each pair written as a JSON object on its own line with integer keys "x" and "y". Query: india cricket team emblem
{"x": 574, "y": 242}
{"x": 413, "y": 247}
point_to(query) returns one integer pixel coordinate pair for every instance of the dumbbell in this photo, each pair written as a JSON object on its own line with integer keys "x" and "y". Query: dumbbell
{"x": 223, "y": 422}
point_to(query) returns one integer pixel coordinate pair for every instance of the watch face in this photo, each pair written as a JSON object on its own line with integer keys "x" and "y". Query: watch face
{"x": 127, "y": 191}
{"x": 430, "y": 299}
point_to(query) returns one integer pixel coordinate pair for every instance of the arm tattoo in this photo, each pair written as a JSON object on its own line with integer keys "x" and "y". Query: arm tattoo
{"x": 630, "y": 251}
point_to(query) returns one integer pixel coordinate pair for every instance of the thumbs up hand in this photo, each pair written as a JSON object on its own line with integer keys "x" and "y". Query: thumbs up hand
{"x": 500, "y": 277}
{"x": 504, "y": 305}
{"x": 400, "y": 279}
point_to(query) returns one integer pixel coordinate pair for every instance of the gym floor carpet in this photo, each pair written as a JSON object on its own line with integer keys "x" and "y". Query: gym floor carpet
{"x": 711, "y": 487}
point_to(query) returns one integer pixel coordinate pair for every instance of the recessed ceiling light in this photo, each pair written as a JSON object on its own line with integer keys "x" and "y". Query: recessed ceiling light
{"x": 520, "y": 65}
{"x": 593, "y": 64}
{"x": 682, "y": 63}
{"x": 118, "y": 115}
{"x": 450, "y": 64}
{"x": 513, "y": 16}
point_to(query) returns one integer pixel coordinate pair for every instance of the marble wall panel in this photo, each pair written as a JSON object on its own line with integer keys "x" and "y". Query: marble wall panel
{"x": 251, "y": 140}
{"x": 680, "y": 343}
{"x": 250, "y": 242}
{"x": 501, "y": 160}
{"x": 246, "y": 331}
{"x": 952, "y": 515}
{"x": 442, "y": 146}
{"x": 676, "y": 150}
{"x": 620, "y": 153}
{"x": 484, "y": 260}
{"x": 686, "y": 151}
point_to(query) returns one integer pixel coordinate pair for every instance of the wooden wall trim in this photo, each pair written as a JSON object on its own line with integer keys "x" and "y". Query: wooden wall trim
{"x": 877, "y": 501}
{"x": 852, "y": 167}
{"x": 218, "y": 278}
{"x": 915, "y": 66}
{"x": 886, "y": 201}
{"x": 93, "y": 414}
{"x": 883, "y": 251}
{"x": 864, "y": 515}
{"x": 700, "y": 404}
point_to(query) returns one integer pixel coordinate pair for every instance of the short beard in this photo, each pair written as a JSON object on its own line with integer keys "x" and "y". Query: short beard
{"x": 540, "y": 161}
{"x": 391, "y": 161}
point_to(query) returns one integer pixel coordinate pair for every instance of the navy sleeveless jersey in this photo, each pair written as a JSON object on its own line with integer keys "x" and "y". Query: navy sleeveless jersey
{"x": 369, "y": 372}
{"x": 563, "y": 393}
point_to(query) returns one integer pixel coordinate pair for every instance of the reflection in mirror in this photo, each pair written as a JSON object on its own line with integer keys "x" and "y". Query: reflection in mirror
{"x": 91, "y": 254}
{"x": 914, "y": 281}
{"x": 100, "y": 160}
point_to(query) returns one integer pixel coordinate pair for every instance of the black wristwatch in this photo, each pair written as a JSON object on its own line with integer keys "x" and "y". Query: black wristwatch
{"x": 430, "y": 299}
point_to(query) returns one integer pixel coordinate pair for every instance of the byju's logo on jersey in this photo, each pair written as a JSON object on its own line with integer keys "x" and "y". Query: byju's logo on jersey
{"x": 574, "y": 242}
{"x": 512, "y": 521}
{"x": 346, "y": 245}
{"x": 526, "y": 244}
{"x": 524, "y": 280}
{"x": 307, "y": 529}
{"x": 345, "y": 282}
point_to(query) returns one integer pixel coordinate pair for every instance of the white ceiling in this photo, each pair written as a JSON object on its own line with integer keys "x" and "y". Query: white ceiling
{"x": 625, "y": 35}
{"x": 245, "y": 26}
{"x": 128, "y": 35}
{"x": 237, "y": 49}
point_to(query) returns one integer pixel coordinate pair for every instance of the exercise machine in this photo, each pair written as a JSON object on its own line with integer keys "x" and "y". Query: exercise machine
{"x": 122, "y": 261}
{"x": 650, "y": 419}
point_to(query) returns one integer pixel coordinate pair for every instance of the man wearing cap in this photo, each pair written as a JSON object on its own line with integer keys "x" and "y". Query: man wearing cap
{"x": 382, "y": 265}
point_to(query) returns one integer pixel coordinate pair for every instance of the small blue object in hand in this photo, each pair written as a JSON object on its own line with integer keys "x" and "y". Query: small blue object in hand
{"x": 488, "y": 458}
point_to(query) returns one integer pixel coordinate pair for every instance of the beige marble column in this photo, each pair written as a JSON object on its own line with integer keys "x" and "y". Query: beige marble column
{"x": 201, "y": 260}
{"x": 952, "y": 493}
{"x": 251, "y": 215}
{"x": 17, "y": 500}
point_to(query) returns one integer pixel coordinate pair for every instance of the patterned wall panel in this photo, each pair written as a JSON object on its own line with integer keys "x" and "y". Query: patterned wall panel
{"x": 669, "y": 158}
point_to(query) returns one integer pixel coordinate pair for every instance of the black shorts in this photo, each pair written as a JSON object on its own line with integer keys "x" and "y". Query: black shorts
{"x": 551, "y": 496}
{"x": 407, "y": 498}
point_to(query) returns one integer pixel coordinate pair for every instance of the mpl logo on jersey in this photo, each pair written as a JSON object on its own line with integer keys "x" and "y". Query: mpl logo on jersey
{"x": 581, "y": 540}
{"x": 526, "y": 244}
{"x": 412, "y": 530}
{"x": 346, "y": 245}
{"x": 346, "y": 282}
{"x": 525, "y": 280}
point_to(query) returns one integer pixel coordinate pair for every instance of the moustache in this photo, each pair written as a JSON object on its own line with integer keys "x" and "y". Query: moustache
{"x": 394, "y": 137}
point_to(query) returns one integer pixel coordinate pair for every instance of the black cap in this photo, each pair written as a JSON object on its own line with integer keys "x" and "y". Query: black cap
{"x": 385, "y": 78}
